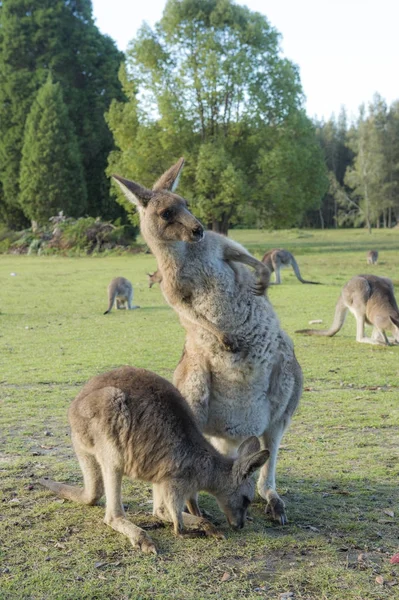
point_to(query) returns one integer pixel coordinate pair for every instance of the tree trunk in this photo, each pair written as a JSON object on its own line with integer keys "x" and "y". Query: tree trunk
{"x": 321, "y": 218}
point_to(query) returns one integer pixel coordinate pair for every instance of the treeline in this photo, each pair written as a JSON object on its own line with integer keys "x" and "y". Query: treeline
{"x": 207, "y": 83}
{"x": 58, "y": 75}
{"x": 363, "y": 167}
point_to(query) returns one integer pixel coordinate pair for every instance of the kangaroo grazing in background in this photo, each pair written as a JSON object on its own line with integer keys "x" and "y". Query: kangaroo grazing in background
{"x": 153, "y": 278}
{"x": 372, "y": 257}
{"x": 132, "y": 422}
{"x": 371, "y": 299}
{"x": 238, "y": 369}
{"x": 278, "y": 259}
{"x": 120, "y": 293}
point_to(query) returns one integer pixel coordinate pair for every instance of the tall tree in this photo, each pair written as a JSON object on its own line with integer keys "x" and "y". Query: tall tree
{"x": 57, "y": 36}
{"x": 51, "y": 177}
{"x": 210, "y": 74}
{"x": 366, "y": 175}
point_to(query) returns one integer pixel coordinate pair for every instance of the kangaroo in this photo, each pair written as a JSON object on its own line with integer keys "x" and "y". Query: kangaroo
{"x": 371, "y": 299}
{"x": 154, "y": 277}
{"x": 238, "y": 369}
{"x": 372, "y": 257}
{"x": 132, "y": 422}
{"x": 120, "y": 293}
{"x": 277, "y": 259}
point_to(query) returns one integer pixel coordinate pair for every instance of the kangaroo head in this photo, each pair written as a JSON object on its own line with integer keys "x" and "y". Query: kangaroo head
{"x": 164, "y": 215}
{"x": 153, "y": 278}
{"x": 238, "y": 495}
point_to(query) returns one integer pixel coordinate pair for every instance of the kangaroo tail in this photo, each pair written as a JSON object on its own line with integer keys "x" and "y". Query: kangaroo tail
{"x": 339, "y": 318}
{"x": 298, "y": 273}
{"x": 111, "y": 296}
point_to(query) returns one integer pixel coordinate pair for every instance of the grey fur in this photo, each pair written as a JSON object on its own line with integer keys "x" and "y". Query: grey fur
{"x": 371, "y": 300}
{"x": 238, "y": 370}
{"x": 372, "y": 257}
{"x": 132, "y": 422}
{"x": 120, "y": 293}
{"x": 278, "y": 259}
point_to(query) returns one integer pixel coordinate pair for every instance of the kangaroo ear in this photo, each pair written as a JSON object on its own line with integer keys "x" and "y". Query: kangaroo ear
{"x": 250, "y": 446}
{"x": 246, "y": 465}
{"x": 135, "y": 193}
{"x": 170, "y": 179}
{"x": 250, "y": 458}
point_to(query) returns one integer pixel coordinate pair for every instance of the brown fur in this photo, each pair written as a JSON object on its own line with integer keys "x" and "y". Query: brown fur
{"x": 372, "y": 301}
{"x": 132, "y": 422}
{"x": 154, "y": 277}
{"x": 238, "y": 371}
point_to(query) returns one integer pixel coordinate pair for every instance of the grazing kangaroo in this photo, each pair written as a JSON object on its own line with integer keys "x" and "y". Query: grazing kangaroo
{"x": 372, "y": 257}
{"x": 278, "y": 259}
{"x": 154, "y": 277}
{"x": 238, "y": 369}
{"x": 120, "y": 293}
{"x": 371, "y": 299}
{"x": 132, "y": 422}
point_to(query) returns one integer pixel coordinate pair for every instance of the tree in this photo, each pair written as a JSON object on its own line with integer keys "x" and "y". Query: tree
{"x": 209, "y": 78}
{"x": 366, "y": 176}
{"x": 56, "y": 36}
{"x": 51, "y": 177}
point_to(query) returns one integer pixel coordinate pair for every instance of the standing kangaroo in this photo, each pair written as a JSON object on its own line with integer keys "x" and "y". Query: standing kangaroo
{"x": 372, "y": 257}
{"x": 154, "y": 277}
{"x": 371, "y": 299}
{"x": 238, "y": 369}
{"x": 132, "y": 422}
{"x": 277, "y": 259}
{"x": 120, "y": 293}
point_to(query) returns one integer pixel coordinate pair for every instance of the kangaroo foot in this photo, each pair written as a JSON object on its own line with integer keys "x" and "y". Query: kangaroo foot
{"x": 276, "y": 509}
{"x": 146, "y": 545}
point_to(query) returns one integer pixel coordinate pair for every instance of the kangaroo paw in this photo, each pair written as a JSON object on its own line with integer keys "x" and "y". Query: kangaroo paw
{"x": 276, "y": 509}
{"x": 146, "y": 545}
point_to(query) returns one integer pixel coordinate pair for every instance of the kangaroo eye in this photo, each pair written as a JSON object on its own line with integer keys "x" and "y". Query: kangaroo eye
{"x": 167, "y": 214}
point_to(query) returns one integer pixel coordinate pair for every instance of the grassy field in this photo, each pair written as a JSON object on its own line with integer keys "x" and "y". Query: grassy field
{"x": 339, "y": 463}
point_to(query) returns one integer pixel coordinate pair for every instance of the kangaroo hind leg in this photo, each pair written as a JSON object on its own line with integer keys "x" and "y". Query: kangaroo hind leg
{"x": 93, "y": 482}
{"x": 115, "y": 514}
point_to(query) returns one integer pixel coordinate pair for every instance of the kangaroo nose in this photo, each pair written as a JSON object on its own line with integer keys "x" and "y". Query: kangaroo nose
{"x": 198, "y": 231}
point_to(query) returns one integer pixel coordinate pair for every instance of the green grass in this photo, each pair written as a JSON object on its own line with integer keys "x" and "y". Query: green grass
{"x": 338, "y": 469}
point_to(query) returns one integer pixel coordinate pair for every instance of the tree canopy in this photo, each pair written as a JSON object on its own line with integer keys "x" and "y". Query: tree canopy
{"x": 208, "y": 82}
{"x": 38, "y": 37}
{"x": 51, "y": 177}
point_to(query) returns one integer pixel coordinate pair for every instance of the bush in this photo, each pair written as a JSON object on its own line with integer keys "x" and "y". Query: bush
{"x": 69, "y": 236}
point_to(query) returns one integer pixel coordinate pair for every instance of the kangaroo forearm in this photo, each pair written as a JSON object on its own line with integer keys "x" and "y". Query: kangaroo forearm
{"x": 235, "y": 254}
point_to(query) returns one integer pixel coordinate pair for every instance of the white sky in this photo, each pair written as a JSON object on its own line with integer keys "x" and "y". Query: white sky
{"x": 346, "y": 50}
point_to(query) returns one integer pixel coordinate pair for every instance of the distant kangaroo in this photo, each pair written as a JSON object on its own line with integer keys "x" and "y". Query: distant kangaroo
{"x": 277, "y": 259}
{"x": 120, "y": 293}
{"x": 371, "y": 299}
{"x": 372, "y": 257}
{"x": 238, "y": 370}
{"x": 154, "y": 277}
{"x": 132, "y": 422}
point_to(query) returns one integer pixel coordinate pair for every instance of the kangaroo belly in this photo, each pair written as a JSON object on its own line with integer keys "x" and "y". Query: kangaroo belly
{"x": 246, "y": 398}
